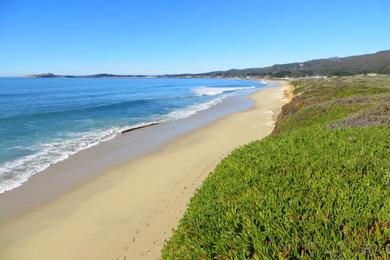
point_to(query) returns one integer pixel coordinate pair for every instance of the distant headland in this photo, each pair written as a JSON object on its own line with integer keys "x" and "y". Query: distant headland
{"x": 101, "y": 75}
{"x": 378, "y": 62}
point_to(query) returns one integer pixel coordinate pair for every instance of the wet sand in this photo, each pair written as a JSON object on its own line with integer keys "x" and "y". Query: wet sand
{"x": 128, "y": 211}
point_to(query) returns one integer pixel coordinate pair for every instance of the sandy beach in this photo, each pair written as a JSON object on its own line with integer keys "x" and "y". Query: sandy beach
{"x": 129, "y": 211}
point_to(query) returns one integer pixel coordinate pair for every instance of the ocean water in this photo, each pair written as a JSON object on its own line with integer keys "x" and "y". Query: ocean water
{"x": 46, "y": 120}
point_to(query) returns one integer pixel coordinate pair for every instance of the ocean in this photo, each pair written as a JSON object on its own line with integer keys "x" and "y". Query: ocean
{"x": 46, "y": 120}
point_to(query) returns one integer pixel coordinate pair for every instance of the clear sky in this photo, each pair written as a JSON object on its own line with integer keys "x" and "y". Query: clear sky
{"x": 152, "y": 36}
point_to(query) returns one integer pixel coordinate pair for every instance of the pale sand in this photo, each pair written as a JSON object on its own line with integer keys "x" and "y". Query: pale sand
{"x": 128, "y": 212}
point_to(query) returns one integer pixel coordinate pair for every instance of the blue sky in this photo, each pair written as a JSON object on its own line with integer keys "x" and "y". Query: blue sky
{"x": 151, "y": 37}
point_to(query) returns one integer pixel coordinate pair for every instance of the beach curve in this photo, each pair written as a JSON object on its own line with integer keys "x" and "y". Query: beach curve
{"x": 128, "y": 212}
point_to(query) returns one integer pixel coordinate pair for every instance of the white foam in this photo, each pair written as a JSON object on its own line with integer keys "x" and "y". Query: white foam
{"x": 189, "y": 111}
{"x": 212, "y": 91}
{"x": 15, "y": 173}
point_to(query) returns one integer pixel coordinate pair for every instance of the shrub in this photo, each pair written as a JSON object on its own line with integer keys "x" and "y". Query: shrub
{"x": 318, "y": 187}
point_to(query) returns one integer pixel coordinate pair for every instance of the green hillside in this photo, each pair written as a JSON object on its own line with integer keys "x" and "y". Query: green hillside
{"x": 370, "y": 63}
{"x": 318, "y": 187}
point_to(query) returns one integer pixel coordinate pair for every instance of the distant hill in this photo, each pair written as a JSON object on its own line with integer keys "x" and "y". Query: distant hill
{"x": 45, "y": 75}
{"x": 369, "y": 63}
{"x": 362, "y": 64}
{"x": 102, "y": 75}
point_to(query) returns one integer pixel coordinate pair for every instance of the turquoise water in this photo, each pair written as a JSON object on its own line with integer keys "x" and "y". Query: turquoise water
{"x": 44, "y": 121}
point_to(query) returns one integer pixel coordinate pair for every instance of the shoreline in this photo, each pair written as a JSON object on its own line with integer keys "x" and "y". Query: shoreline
{"x": 82, "y": 167}
{"x": 130, "y": 209}
{"x": 25, "y": 167}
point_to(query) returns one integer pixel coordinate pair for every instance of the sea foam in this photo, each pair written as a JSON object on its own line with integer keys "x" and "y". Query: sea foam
{"x": 212, "y": 91}
{"x": 14, "y": 173}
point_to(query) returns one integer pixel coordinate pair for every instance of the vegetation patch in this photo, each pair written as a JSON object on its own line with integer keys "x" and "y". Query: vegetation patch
{"x": 318, "y": 187}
